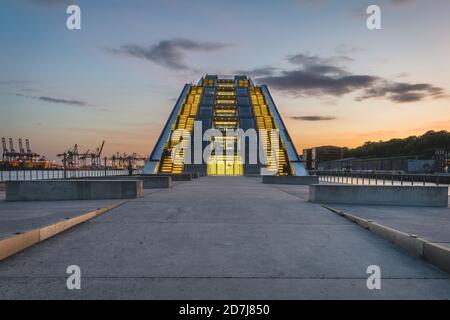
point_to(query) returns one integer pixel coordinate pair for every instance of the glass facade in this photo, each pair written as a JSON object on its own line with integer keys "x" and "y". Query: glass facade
{"x": 227, "y": 104}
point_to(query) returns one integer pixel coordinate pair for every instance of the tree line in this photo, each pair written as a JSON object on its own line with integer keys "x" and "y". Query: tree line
{"x": 423, "y": 146}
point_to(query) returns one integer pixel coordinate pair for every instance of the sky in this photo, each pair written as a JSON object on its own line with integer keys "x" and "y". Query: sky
{"x": 335, "y": 82}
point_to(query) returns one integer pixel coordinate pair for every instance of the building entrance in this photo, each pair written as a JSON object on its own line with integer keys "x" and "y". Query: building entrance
{"x": 225, "y": 166}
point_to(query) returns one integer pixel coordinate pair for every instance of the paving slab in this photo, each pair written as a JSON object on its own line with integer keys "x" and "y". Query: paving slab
{"x": 219, "y": 238}
{"x": 432, "y": 224}
{"x": 19, "y": 217}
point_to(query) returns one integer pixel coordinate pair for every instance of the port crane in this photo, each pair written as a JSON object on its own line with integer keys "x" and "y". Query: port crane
{"x": 125, "y": 160}
{"x": 70, "y": 157}
{"x": 5, "y": 154}
{"x": 30, "y": 155}
{"x": 74, "y": 159}
{"x": 22, "y": 155}
{"x": 96, "y": 156}
{"x": 83, "y": 157}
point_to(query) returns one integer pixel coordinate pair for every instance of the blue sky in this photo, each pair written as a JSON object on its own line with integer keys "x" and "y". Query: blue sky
{"x": 94, "y": 89}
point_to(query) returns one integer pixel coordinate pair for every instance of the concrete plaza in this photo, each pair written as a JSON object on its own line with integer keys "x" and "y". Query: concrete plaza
{"x": 217, "y": 238}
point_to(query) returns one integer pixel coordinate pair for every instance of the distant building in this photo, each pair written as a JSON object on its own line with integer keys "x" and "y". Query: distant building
{"x": 307, "y": 158}
{"x": 410, "y": 164}
{"x": 442, "y": 160}
{"x": 315, "y": 156}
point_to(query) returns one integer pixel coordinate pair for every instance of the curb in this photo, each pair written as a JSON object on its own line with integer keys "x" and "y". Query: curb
{"x": 431, "y": 252}
{"x": 17, "y": 243}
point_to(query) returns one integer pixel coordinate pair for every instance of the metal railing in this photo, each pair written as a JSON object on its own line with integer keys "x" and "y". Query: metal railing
{"x": 52, "y": 174}
{"x": 382, "y": 178}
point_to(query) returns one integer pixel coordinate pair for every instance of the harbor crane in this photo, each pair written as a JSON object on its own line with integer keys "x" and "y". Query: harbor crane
{"x": 22, "y": 158}
{"x": 5, "y": 154}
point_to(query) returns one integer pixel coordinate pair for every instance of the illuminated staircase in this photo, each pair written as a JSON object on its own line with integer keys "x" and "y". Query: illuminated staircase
{"x": 185, "y": 121}
{"x": 266, "y": 124}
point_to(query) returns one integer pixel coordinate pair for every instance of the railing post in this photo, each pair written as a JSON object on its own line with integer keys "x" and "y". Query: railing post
{"x": 65, "y": 165}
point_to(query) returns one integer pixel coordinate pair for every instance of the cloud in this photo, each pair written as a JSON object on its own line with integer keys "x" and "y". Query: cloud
{"x": 258, "y": 72}
{"x": 316, "y": 76}
{"x": 168, "y": 53}
{"x": 313, "y": 118}
{"x": 63, "y": 101}
{"x": 316, "y": 64}
{"x": 316, "y": 83}
{"x": 402, "y": 92}
{"x": 78, "y": 103}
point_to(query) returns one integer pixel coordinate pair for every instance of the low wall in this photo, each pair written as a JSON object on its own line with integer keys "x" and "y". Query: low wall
{"x": 50, "y": 190}
{"x": 252, "y": 170}
{"x": 297, "y": 180}
{"x": 419, "y": 196}
{"x": 149, "y": 182}
{"x": 155, "y": 182}
{"x": 174, "y": 176}
{"x": 201, "y": 169}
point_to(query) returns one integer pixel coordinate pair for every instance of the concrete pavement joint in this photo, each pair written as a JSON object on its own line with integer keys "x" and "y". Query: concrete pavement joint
{"x": 223, "y": 277}
{"x": 229, "y": 223}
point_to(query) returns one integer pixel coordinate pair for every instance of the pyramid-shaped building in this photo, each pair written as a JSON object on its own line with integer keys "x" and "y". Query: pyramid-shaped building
{"x": 217, "y": 105}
